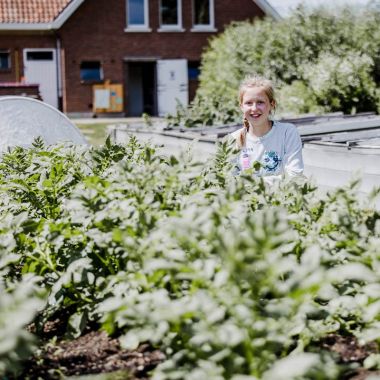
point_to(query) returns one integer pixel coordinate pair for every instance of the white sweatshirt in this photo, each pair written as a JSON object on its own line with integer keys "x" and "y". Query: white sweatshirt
{"x": 279, "y": 151}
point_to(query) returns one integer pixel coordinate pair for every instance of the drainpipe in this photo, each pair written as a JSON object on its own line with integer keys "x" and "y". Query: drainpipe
{"x": 59, "y": 71}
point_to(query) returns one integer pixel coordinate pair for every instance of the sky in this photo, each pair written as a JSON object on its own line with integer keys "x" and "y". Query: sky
{"x": 283, "y": 7}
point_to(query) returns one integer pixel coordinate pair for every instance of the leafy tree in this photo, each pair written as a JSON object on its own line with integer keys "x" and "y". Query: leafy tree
{"x": 291, "y": 52}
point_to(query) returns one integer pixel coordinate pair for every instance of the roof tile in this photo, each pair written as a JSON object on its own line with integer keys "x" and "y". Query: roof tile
{"x": 31, "y": 11}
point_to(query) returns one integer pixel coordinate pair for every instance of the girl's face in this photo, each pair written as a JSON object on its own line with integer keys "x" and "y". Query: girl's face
{"x": 256, "y": 106}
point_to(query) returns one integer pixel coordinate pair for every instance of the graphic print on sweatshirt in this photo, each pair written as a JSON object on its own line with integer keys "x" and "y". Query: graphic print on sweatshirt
{"x": 271, "y": 161}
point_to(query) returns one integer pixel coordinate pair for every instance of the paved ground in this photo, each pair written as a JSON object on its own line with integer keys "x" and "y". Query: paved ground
{"x": 114, "y": 120}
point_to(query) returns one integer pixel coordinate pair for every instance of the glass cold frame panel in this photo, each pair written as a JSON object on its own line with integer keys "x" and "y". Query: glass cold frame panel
{"x": 202, "y": 12}
{"x": 169, "y": 12}
{"x": 136, "y": 14}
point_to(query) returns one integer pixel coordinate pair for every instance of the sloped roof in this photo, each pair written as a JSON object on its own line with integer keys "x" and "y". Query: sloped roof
{"x": 31, "y": 11}
{"x": 267, "y": 8}
{"x": 36, "y": 14}
{"x": 51, "y": 14}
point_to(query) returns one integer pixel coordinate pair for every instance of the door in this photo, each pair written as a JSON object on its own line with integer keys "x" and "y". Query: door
{"x": 172, "y": 85}
{"x": 40, "y": 66}
{"x": 141, "y": 88}
{"x": 135, "y": 99}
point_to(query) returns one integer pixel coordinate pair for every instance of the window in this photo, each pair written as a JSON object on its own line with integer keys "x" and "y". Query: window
{"x": 170, "y": 14}
{"x": 137, "y": 14}
{"x": 203, "y": 14}
{"x": 5, "y": 60}
{"x": 39, "y": 55}
{"x": 193, "y": 70}
{"x": 91, "y": 71}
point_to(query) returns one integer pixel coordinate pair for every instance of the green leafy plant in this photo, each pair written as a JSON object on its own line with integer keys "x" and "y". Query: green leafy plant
{"x": 229, "y": 277}
{"x": 19, "y": 303}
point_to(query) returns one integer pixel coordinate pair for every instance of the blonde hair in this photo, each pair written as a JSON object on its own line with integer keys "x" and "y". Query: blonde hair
{"x": 250, "y": 82}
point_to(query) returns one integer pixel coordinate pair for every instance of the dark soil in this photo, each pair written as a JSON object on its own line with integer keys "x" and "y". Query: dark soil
{"x": 96, "y": 352}
{"x": 348, "y": 350}
{"x": 92, "y": 353}
{"x": 363, "y": 374}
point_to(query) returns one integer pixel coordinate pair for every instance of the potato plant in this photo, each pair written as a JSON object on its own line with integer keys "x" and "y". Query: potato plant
{"x": 228, "y": 277}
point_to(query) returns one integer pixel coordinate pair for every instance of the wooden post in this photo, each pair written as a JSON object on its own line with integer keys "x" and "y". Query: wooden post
{"x": 17, "y": 66}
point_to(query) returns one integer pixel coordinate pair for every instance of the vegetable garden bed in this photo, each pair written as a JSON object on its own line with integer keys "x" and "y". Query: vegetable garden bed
{"x": 120, "y": 258}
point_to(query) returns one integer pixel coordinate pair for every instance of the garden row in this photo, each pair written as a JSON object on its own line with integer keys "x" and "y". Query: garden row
{"x": 227, "y": 277}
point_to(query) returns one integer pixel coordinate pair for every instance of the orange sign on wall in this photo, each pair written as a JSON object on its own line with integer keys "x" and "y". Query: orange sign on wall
{"x": 107, "y": 98}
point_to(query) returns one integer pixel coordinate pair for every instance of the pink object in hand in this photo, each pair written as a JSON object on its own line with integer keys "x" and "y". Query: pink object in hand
{"x": 245, "y": 161}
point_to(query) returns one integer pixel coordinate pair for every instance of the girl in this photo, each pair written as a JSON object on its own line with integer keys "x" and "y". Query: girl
{"x": 276, "y": 146}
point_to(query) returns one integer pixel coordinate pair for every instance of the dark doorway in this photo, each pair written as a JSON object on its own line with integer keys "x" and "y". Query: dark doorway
{"x": 141, "y": 88}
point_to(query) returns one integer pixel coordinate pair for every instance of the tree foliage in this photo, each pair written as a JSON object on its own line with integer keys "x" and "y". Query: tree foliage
{"x": 321, "y": 61}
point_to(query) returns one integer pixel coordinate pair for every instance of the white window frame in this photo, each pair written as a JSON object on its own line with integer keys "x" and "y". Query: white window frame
{"x": 138, "y": 28}
{"x": 205, "y": 27}
{"x": 172, "y": 27}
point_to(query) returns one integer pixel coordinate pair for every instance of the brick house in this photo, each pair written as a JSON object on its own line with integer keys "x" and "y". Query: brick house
{"x": 151, "y": 48}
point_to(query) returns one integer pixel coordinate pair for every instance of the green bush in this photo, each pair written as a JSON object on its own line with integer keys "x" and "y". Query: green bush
{"x": 342, "y": 83}
{"x": 297, "y": 98}
{"x": 288, "y": 51}
{"x": 228, "y": 277}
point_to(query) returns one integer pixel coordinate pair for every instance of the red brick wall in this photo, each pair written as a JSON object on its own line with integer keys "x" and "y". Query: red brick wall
{"x": 15, "y": 42}
{"x": 96, "y": 32}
